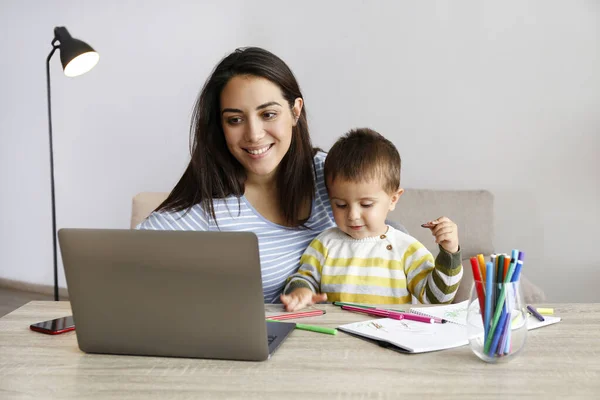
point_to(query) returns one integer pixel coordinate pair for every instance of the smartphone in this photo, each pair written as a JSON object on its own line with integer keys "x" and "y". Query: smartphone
{"x": 54, "y": 326}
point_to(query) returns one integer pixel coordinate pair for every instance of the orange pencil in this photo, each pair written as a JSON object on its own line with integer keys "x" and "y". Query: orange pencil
{"x": 481, "y": 261}
{"x": 506, "y": 264}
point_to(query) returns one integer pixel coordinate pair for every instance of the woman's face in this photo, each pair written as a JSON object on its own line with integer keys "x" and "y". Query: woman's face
{"x": 257, "y": 122}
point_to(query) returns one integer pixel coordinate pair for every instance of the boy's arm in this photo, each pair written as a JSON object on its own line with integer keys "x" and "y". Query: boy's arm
{"x": 429, "y": 281}
{"x": 309, "y": 273}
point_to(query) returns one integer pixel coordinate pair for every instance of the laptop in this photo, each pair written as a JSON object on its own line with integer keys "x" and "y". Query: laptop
{"x": 168, "y": 293}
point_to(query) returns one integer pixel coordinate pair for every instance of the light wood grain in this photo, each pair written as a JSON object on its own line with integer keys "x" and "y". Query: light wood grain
{"x": 558, "y": 360}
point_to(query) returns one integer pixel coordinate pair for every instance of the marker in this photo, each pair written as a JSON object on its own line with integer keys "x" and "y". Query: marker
{"x": 419, "y": 318}
{"x": 482, "y": 268}
{"x": 493, "y": 332}
{"x": 536, "y": 314}
{"x": 492, "y": 347}
{"x": 374, "y": 311}
{"x": 379, "y": 312}
{"x": 479, "y": 285}
{"x": 341, "y": 303}
{"x": 301, "y": 314}
{"x": 320, "y": 329}
{"x": 545, "y": 311}
{"x": 489, "y": 298}
{"x": 313, "y": 328}
{"x": 413, "y": 317}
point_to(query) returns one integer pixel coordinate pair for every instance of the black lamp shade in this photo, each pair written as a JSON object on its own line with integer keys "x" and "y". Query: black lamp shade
{"x": 76, "y": 56}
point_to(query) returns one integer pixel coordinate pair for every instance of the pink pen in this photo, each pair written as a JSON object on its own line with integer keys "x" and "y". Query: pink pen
{"x": 419, "y": 318}
{"x": 413, "y": 317}
{"x": 373, "y": 311}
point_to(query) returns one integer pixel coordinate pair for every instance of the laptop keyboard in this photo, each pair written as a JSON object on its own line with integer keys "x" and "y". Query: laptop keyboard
{"x": 270, "y": 338}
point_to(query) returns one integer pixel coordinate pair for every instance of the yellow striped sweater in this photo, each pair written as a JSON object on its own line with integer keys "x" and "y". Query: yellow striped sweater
{"x": 394, "y": 268}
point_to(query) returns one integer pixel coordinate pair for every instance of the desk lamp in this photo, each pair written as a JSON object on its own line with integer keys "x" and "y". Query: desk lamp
{"x": 77, "y": 58}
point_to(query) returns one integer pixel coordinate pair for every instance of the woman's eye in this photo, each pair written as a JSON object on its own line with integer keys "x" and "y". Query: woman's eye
{"x": 269, "y": 115}
{"x": 234, "y": 120}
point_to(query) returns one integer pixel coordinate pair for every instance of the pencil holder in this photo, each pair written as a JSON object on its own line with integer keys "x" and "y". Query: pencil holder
{"x": 496, "y": 321}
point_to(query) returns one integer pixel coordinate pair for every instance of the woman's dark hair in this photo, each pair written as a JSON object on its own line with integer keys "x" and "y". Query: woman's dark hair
{"x": 213, "y": 172}
{"x": 361, "y": 155}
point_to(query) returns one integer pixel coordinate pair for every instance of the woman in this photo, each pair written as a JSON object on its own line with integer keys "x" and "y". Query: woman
{"x": 253, "y": 167}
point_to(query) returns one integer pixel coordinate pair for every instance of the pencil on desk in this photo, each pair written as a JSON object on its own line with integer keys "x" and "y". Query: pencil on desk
{"x": 545, "y": 311}
{"x": 343, "y": 303}
{"x": 535, "y": 313}
{"x": 320, "y": 329}
{"x": 312, "y": 328}
{"x": 374, "y": 311}
{"x": 302, "y": 314}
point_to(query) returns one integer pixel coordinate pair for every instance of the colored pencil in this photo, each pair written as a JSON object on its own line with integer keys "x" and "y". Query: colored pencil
{"x": 312, "y": 328}
{"x": 545, "y": 311}
{"x": 478, "y": 285}
{"x": 374, "y": 311}
{"x": 302, "y": 314}
{"x": 536, "y": 314}
{"x": 498, "y": 312}
{"x": 482, "y": 267}
{"x": 489, "y": 298}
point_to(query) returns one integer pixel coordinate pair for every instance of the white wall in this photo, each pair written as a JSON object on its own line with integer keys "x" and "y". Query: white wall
{"x": 503, "y": 96}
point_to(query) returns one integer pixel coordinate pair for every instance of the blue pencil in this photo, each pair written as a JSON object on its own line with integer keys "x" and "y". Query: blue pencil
{"x": 497, "y": 334}
{"x": 489, "y": 279}
{"x": 516, "y": 255}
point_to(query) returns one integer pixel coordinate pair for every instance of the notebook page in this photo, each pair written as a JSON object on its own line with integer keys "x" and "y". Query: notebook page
{"x": 456, "y": 313}
{"x": 412, "y": 336}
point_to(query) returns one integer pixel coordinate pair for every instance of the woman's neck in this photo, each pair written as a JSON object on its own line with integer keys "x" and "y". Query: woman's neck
{"x": 262, "y": 183}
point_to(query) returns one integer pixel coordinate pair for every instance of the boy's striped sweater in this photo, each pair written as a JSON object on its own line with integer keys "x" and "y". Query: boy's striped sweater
{"x": 394, "y": 268}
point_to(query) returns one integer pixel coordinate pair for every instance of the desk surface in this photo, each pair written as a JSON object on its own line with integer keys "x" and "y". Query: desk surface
{"x": 561, "y": 359}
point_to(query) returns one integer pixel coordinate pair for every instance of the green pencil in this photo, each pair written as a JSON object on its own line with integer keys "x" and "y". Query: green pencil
{"x": 312, "y": 328}
{"x": 342, "y": 303}
{"x": 320, "y": 329}
{"x": 499, "y": 307}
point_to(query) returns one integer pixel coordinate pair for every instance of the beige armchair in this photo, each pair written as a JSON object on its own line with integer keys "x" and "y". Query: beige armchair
{"x": 472, "y": 210}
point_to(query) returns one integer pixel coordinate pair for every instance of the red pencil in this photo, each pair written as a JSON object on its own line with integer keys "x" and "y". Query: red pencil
{"x": 478, "y": 284}
{"x": 301, "y": 314}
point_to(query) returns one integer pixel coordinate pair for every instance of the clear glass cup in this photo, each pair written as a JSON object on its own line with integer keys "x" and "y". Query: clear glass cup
{"x": 506, "y": 331}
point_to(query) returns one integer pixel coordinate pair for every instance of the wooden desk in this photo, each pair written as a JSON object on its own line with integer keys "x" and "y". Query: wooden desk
{"x": 558, "y": 360}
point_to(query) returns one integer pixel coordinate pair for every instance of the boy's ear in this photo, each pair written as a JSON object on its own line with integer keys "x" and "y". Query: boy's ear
{"x": 395, "y": 197}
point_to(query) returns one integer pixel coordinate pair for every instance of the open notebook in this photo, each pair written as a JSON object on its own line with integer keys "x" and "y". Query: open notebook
{"x": 417, "y": 337}
{"x": 457, "y": 314}
{"x": 409, "y": 336}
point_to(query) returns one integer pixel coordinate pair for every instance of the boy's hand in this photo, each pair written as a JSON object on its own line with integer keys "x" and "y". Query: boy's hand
{"x": 301, "y": 298}
{"x": 445, "y": 232}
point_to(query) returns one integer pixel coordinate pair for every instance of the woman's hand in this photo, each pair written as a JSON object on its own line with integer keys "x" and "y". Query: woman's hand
{"x": 445, "y": 232}
{"x": 301, "y": 298}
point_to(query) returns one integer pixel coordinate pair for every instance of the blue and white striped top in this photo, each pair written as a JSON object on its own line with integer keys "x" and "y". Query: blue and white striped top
{"x": 280, "y": 247}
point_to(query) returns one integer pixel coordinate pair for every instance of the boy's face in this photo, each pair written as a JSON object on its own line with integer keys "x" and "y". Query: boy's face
{"x": 360, "y": 208}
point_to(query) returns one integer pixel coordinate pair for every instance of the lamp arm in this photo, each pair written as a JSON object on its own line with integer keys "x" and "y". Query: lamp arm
{"x": 54, "y": 47}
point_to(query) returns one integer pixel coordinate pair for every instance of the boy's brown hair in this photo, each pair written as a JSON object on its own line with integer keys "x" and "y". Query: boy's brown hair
{"x": 362, "y": 155}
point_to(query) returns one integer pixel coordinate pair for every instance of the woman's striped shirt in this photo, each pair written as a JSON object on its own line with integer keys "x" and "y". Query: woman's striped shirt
{"x": 280, "y": 247}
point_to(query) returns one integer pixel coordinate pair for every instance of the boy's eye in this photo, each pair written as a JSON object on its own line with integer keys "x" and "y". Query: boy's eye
{"x": 342, "y": 206}
{"x": 367, "y": 205}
